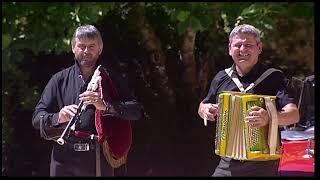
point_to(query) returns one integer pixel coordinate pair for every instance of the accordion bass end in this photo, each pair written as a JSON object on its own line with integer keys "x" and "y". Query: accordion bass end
{"x": 235, "y": 138}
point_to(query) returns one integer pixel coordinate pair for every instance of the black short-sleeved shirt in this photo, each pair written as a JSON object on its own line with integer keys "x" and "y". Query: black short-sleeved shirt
{"x": 274, "y": 85}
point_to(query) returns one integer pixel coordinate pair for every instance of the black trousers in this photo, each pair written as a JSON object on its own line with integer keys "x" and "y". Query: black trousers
{"x": 231, "y": 167}
{"x": 65, "y": 161}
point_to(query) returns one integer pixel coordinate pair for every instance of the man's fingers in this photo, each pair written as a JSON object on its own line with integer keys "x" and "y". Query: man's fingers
{"x": 255, "y": 108}
{"x": 254, "y": 121}
{"x": 89, "y": 93}
{"x": 87, "y": 98}
{"x": 70, "y": 113}
{"x": 213, "y": 109}
{"x": 90, "y": 96}
{"x": 208, "y": 115}
{"x": 67, "y": 112}
{"x": 254, "y": 113}
{"x": 251, "y": 119}
{"x": 70, "y": 110}
{"x": 215, "y": 105}
{"x": 73, "y": 109}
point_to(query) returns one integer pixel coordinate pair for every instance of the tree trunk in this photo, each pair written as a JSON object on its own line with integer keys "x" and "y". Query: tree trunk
{"x": 188, "y": 60}
{"x": 204, "y": 74}
{"x": 152, "y": 44}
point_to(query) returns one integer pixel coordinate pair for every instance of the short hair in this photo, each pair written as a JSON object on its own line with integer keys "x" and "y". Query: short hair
{"x": 88, "y": 31}
{"x": 245, "y": 28}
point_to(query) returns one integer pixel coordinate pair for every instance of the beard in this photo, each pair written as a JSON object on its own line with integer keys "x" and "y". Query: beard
{"x": 88, "y": 60}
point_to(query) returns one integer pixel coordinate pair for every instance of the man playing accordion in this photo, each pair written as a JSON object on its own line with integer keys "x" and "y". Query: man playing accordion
{"x": 249, "y": 75}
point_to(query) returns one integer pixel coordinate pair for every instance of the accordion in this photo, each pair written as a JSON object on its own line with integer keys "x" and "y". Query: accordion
{"x": 235, "y": 138}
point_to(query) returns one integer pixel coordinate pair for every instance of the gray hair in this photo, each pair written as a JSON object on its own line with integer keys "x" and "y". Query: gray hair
{"x": 88, "y": 31}
{"x": 245, "y": 28}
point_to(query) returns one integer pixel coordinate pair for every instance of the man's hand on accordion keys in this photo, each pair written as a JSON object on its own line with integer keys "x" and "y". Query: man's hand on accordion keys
{"x": 258, "y": 117}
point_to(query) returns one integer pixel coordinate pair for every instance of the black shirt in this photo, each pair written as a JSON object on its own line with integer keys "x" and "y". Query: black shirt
{"x": 274, "y": 85}
{"x": 64, "y": 88}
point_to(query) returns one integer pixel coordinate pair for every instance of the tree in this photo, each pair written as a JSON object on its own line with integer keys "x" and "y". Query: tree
{"x": 179, "y": 48}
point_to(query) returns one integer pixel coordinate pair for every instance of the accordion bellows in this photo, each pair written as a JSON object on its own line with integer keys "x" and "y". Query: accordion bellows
{"x": 235, "y": 138}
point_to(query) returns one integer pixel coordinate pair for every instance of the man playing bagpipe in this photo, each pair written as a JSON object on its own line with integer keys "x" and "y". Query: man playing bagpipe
{"x": 87, "y": 109}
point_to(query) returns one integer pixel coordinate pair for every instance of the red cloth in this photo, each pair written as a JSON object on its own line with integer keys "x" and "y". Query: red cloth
{"x": 116, "y": 131}
{"x": 294, "y": 157}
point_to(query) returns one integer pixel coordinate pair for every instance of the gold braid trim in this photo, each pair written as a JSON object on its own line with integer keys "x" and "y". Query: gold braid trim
{"x": 115, "y": 163}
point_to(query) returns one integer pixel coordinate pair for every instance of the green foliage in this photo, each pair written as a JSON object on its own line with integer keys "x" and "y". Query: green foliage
{"x": 47, "y": 27}
{"x": 6, "y": 40}
{"x": 39, "y": 27}
{"x": 304, "y": 10}
{"x": 263, "y": 15}
{"x": 197, "y": 16}
{"x": 260, "y": 15}
{"x": 182, "y": 16}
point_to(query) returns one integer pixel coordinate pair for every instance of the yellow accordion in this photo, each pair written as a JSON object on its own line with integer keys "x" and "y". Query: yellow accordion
{"x": 235, "y": 138}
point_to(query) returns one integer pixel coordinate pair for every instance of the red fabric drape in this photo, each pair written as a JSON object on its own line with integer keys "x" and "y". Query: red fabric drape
{"x": 116, "y": 131}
